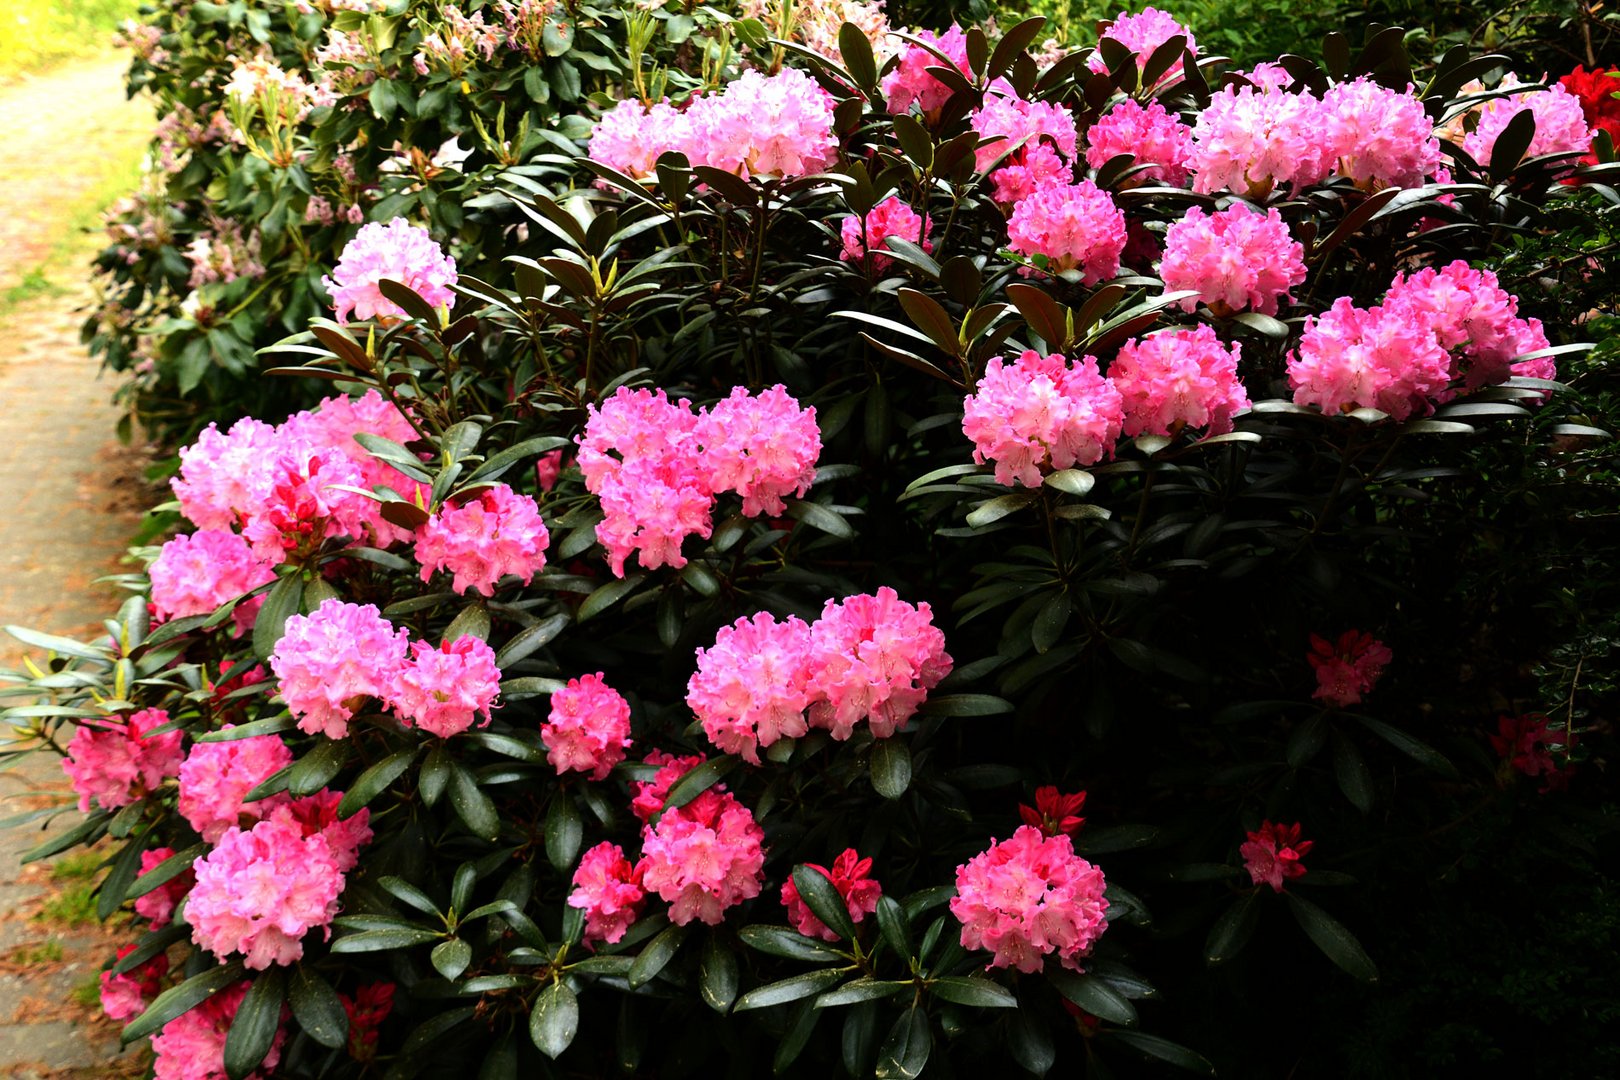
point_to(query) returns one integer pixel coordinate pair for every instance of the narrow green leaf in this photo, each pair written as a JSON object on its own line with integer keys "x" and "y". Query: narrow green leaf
{"x": 966, "y": 705}
{"x": 971, "y": 990}
{"x": 1337, "y": 943}
{"x": 1164, "y": 1050}
{"x": 717, "y": 976}
{"x": 905, "y": 1051}
{"x": 380, "y": 940}
{"x": 374, "y": 781}
{"x": 781, "y": 941}
{"x": 791, "y": 989}
{"x": 858, "y": 990}
{"x": 656, "y": 955}
{"x": 280, "y": 603}
{"x": 315, "y": 770}
{"x": 1095, "y": 996}
{"x": 258, "y": 1018}
{"x": 564, "y": 832}
{"x": 891, "y": 768}
{"x": 1233, "y": 929}
{"x": 821, "y": 896}
{"x": 181, "y": 999}
{"x": 474, "y": 807}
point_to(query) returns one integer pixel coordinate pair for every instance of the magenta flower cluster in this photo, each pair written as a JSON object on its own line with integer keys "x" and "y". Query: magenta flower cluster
{"x": 1028, "y": 897}
{"x": 495, "y": 533}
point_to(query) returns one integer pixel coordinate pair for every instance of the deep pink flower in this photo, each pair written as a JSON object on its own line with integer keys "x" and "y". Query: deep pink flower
{"x": 1235, "y": 259}
{"x": 1149, "y": 134}
{"x": 849, "y": 875}
{"x": 157, "y": 906}
{"x": 303, "y": 499}
{"x": 398, "y": 251}
{"x": 1027, "y": 897}
{"x": 908, "y": 82}
{"x": 1525, "y": 743}
{"x": 588, "y": 728}
{"x": 1178, "y": 378}
{"x": 1054, "y": 812}
{"x": 703, "y": 857}
{"x": 329, "y": 662}
{"x": 496, "y": 533}
{"x": 873, "y": 658}
{"x": 192, "y": 1045}
{"x": 316, "y": 815}
{"x": 1027, "y": 172}
{"x": 649, "y": 795}
{"x": 1072, "y": 227}
{"x": 1377, "y": 358}
{"x": 1272, "y": 854}
{"x": 752, "y": 687}
{"x": 1006, "y": 122}
{"x": 1041, "y": 412}
{"x": 891, "y": 217}
{"x": 124, "y": 997}
{"x": 761, "y": 446}
{"x": 1472, "y": 317}
{"x": 445, "y": 690}
{"x": 1347, "y": 668}
{"x": 115, "y": 762}
{"x": 194, "y": 574}
{"x": 607, "y": 887}
{"x": 219, "y": 474}
{"x": 216, "y": 777}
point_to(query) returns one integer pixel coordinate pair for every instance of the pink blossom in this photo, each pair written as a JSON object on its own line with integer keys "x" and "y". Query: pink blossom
{"x": 891, "y": 217}
{"x": 444, "y": 690}
{"x": 649, "y": 795}
{"x": 631, "y": 137}
{"x": 1351, "y": 358}
{"x": 703, "y": 857}
{"x": 1006, "y": 122}
{"x": 304, "y": 501}
{"x": 1235, "y": 259}
{"x": 116, "y": 762}
{"x": 124, "y": 997}
{"x": 397, "y": 251}
{"x": 1471, "y": 315}
{"x": 1142, "y": 34}
{"x": 1030, "y": 170}
{"x": 547, "y": 469}
{"x": 849, "y": 876}
{"x": 157, "y": 906}
{"x": 1072, "y": 227}
{"x": 761, "y": 446}
{"x": 1027, "y": 897}
{"x": 588, "y": 728}
{"x": 1379, "y": 137}
{"x": 908, "y": 82}
{"x": 192, "y": 1045}
{"x": 1178, "y": 378}
{"x": 336, "y": 421}
{"x": 495, "y": 533}
{"x": 752, "y": 687}
{"x": 1041, "y": 412}
{"x": 873, "y": 658}
{"x": 1347, "y": 668}
{"x": 1272, "y": 854}
{"x": 219, "y": 474}
{"x": 330, "y": 661}
{"x": 216, "y": 777}
{"x": 607, "y": 887}
{"x": 764, "y": 125}
{"x": 1561, "y": 126}
{"x": 1149, "y": 134}
{"x": 1267, "y": 76}
{"x": 317, "y": 815}
{"x": 194, "y": 574}
{"x": 1248, "y": 141}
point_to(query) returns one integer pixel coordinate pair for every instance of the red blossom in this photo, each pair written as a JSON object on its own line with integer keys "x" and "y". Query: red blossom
{"x": 849, "y": 875}
{"x": 367, "y": 1010}
{"x": 1054, "y": 812}
{"x": 1273, "y": 852}
{"x": 1523, "y": 741}
{"x": 1347, "y": 668}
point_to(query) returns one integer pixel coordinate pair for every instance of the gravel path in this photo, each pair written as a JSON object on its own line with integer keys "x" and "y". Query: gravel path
{"x": 71, "y": 504}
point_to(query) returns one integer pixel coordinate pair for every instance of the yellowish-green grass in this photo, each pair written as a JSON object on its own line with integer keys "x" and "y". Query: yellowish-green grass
{"x": 81, "y": 864}
{"x": 34, "y": 34}
{"x": 48, "y": 951}
{"x": 75, "y": 905}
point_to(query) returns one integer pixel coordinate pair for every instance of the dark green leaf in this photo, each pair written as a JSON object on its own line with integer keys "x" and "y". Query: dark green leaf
{"x": 698, "y": 780}
{"x": 858, "y": 990}
{"x": 821, "y": 896}
{"x": 1030, "y": 1041}
{"x": 472, "y": 805}
{"x": 656, "y": 955}
{"x": 314, "y": 770}
{"x": 781, "y": 941}
{"x": 966, "y": 705}
{"x": 891, "y": 768}
{"x": 1329, "y": 935}
{"x": 792, "y": 989}
{"x": 258, "y": 1018}
{"x": 564, "y": 832}
{"x": 717, "y": 976}
{"x": 1351, "y": 770}
{"x": 555, "y": 1019}
{"x": 317, "y": 1008}
{"x": 1233, "y": 929}
{"x": 905, "y": 1051}
{"x": 374, "y": 781}
{"x": 399, "y": 937}
{"x": 280, "y": 603}
{"x": 969, "y": 990}
{"x": 1418, "y": 751}
{"x": 180, "y": 999}
{"x": 1095, "y": 996}
{"x": 450, "y": 958}
{"x": 1164, "y": 1050}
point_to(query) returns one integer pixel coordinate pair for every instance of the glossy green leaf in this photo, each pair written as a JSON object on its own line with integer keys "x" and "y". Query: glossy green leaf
{"x": 790, "y": 989}
{"x": 821, "y": 896}
{"x": 253, "y": 1029}
{"x": 317, "y": 1007}
{"x": 554, "y": 1019}
{"x": 904, "y": 1053}
{"x": 1337, "y": 943}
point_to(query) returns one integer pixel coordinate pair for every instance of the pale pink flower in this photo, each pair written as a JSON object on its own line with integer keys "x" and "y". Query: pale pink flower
{"x": 1178, "y": 378}
{"x": 849, "y": 875}
{"x": 649, "y": 795}
{"x": 1272, "y": 854}
{"x": 124, "y": 997}
{"x": 495, "y": 533}
{"x": 1561, "y": 126}
{"x": 194, "y": 574}
{"x": 192, "y": 1045}
{"x": 216, "y": 777}
{"x": 607, "y": 887}
{"x": 761, "y": 446}
{"x": 1142, "y": 34}
{"x": 1347, "y": 668}
{"x": 703, "y": 857}
{"x": 157, "y": 906}
{"x": 1267, "y": 75}
{"x": 873, "y": 658}
{"x": 891, "y": 217}
{"x": 317, "y": 815}
{"x": 397, "y": 251}
{"x": 908, "y": 82}
{"x": 764, "y": 125}
{"x": 330, "y": 661}
{"x": 1006, "y": 122}
{"x": 445, "y": 690}
{"x": 752, "y": 687}
{"x": 1235, "y": 259}
{"x": 219, "y": 474}
{"x": 588, "y": 728}
{"x": 1351, "y": 358}
{"x": 1379, "y": 137}
{"x": 116, "y": 762}
{"x": 1249, "y": 140}
{"x": 630, "y": 137}
{"x": 1028, "y": 897}
{"x": 1149, "y": 134}
{"x": 1073, "y": 227}
{"x": 1041, "y": 412}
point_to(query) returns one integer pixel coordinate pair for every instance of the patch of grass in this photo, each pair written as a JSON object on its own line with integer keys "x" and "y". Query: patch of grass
{"x": 87, "y": 995}
{"x": 48, "y": 951}
{"x": 81, "y": 864}
{"x": 73, "y": 906}
{"x": 34, "y": 284}
{"x": 35, "y": 35}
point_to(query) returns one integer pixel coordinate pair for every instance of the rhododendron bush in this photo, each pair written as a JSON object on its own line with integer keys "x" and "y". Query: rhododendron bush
{"x": 931, "y": 552}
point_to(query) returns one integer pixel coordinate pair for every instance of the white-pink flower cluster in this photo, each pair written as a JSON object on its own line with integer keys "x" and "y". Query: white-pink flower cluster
{"x": 397, "y": 251}
{"x": 1236, "y": 259}
{"x": 657, "y": 466}
{"x": 1041, "y": 412}
{"x": 217, "y": 776}
{"x": 868, "y": 657}
{"x": 1561, "y": 126}
{"x": 1142, "y": 34}
{"x": 443, "y": 690}
{"x": 1064, "y": 227}
{"x": 1028, "y": 897}
{"x": 495, "y": 533}
{"x": 908, "y": 83}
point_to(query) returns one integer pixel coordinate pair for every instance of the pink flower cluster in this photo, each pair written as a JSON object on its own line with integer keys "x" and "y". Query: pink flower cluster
{"x": 261, "y": 890}
{"x": 1142, "y": 34}
{"x": 607, "y": 887}
{"x": 1027, "y": 897}
{"x": 157, "y": 906}
{"x": 849, "y": 875}
{"x": 588, "y": 728}
{"x": 397, "y": 251}
{"x": 863, "y": 237}
{"x": 1473, "y": 318}
{"x": 703, "y": 857}
{"x": 1041, "y": 412}
{"x": 1378, "y": 137}
{"x": 1561, "y": 126}
{"x": 194, "y": 574}
{"x": 443, "y": 690}
{"x": 495, "y": 533}
{"x": 1176, "y": 379}
{"x": 216, "y": 777}
{"x": 1148, "y": 133}
{"x": 1525, "y": 744}
{"x": 672, "y": 462}
{"x": 1006, "y": 122}
{"x": 1235, "y": 259}
{"x": 1347, "y": 668}
{"x": 116, "y": 762}
{"x": 125, "y": 996}
{"x": 648, "y": 795}
{"x": 908, "y": 83}
{"x": 1069, "y": 227}
{"x": 759, "y": 125}
{"x": 868, "y": 657}
{"x": 1272, "y": 854}
{"x": 192, "y": 1045}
